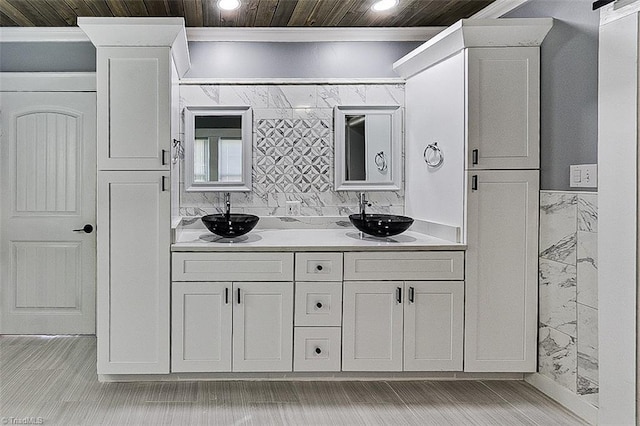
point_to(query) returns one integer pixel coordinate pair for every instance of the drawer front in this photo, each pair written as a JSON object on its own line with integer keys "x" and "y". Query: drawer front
{"x": 318, "y": 266}
{"x": 316, "y": 349}
{"x": 420, "y": 265}
{"x": 232, "y": 266}
{"x": 318, "y": 304}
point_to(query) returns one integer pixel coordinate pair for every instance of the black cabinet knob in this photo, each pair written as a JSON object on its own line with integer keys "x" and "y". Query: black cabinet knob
{"x": 318, "y": 267}
{"x": 318, "y": 351}
{"x": 319, "y": 305}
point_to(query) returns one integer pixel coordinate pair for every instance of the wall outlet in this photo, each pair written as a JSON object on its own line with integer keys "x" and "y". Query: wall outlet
{"x": 293, "y": 208}
{"x": 583, "y": 176}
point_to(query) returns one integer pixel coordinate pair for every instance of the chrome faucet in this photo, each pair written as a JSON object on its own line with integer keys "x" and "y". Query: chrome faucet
{"x": 227, "y": 202}
{"x": 363, "y": 204}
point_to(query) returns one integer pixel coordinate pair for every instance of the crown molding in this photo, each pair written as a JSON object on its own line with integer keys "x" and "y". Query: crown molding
{"x": 314, "y": 34}
{"x": 497, "y": 9}
{"x": 42, "y": 34}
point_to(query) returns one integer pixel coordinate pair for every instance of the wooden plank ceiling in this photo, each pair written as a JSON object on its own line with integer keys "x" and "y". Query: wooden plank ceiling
{"x": 252, "y": 13}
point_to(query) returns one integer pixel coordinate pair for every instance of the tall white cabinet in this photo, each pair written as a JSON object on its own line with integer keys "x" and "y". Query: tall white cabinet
{"x": 135, "y": 58}
{"x": 474, "y": 90}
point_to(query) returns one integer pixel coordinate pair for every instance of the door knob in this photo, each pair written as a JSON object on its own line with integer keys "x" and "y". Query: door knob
{"x": 87, "y": 229}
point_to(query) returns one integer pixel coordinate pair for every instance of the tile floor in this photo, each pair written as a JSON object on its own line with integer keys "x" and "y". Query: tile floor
{"x": 53, "y": 381}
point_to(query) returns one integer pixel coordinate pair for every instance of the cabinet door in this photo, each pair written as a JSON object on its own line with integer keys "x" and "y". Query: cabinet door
{"x": 201, "y": 327}
{"x": 372, "y": 326}
{"x": 433, "y": 325}
{"x": 503, "y": 96}
{"x": 134, "y": 108}
{"x": 502, "y": 271}
{"x": 133, "y": 239}
{"x": 263, "y": 326}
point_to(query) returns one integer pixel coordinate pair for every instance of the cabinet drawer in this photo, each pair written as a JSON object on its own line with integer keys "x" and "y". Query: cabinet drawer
{"x": 423, "y": 265}
{"x": 316, "y": 349}
{"x": 318, "y": 266}
{"x": 232, "y": 267}
{"x": 318, "y": 304}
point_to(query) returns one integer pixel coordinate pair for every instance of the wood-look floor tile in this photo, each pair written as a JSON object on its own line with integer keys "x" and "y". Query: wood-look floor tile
{"x": 535, "y": 405}
{"x": 370, "y": 393}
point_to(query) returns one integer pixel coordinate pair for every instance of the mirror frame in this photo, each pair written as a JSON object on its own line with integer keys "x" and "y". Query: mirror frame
{"x": 190, "y": 114}
{"x": 394, "y": 184}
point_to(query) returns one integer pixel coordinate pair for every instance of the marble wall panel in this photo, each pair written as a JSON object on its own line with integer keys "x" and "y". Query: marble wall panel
{"x": 558, "y": 357}
{"x": 558, "y": 218}
{"x": 557, "y": 296}
{"x": 292, "y": 147}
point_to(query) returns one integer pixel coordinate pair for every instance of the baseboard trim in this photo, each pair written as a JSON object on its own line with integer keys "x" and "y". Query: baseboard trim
{"x": 564, "y": 397}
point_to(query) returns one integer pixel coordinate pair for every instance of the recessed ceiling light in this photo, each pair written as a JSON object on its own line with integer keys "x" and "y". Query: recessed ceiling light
{"x": 381, "y": 5}
{"x": 228, "y": 4}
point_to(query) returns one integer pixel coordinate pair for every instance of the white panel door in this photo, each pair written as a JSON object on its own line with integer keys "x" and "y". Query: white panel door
{"x": 133, "y": 272}
{"x": 503, "y": 96}
{"x": 47, "y": 151}
{"x": 433, "y": 325}
{"x": 201, "y": 327}
{"x": 263, "y": 326}
{"x": 501, "y": 304}
{"x": 134, "y": 93}
{"x": 372, "y": 326}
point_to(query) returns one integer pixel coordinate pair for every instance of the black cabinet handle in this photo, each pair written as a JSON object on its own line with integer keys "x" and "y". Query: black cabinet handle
{"x": 238, "y": 296}
{"x": 319, "y": 305}
{"x": 164, "y": 187}
{"x": 412, "y": 294}
{"x": 474, "y": 156}
{"x": 474, "y": 182}
{"x": 226, "y": 295}
{"x": 399, "y": 294}
{"x": 164, "y": 152}
{"x": 318, "y": 351}
{"x": 318, "y": 267}
{"x": 87, "y": 229}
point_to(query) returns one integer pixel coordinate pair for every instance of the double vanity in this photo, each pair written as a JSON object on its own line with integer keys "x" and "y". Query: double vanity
{"x": 364, "y": 294}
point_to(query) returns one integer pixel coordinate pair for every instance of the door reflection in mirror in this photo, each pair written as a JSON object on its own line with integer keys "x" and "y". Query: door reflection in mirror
{"x": 367, "y": 147}
{"x": 217, "y": 151}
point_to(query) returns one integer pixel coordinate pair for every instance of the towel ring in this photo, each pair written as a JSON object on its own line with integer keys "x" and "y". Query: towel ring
{"x": 433, "y": 155}
{"x": 381, "y": 161}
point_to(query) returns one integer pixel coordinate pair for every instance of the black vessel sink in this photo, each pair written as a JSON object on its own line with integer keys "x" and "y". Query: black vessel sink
{"x": 231, "y": 225}
{"x": 381, "y": 225}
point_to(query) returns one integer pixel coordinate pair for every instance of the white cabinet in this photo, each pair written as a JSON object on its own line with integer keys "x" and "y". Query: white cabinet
{"x": 503, "y": 104}
{"x": 263, "y": 326}
{"x": 372, "y": 326}
{"x": 410, "y": 326}
{"x": 433, "y": 325}
{"x": 502, "y": 271}
{"x": 133, "y": 272}
{"x": 201, "y": 326}
{"x": 134, "y": 95}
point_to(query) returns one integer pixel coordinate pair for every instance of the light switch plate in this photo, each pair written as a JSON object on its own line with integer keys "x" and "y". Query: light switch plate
{"x": 583, "y": 176}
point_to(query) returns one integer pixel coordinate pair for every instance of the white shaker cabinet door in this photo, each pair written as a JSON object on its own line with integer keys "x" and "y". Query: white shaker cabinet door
{"x": 133, "y": 239}
{"x": 372, "y": 326}
{"x": 503, "y": 104}
{"x": 134, "y": 98}
{"x": 201, "y": 327}
{"x": 502, "y": 271}
{"x": 433, "y": 325}
{"x": 263, "y": 326}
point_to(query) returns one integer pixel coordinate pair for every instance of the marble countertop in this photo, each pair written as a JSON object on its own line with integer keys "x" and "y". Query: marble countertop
{"x": 301, "y": 239}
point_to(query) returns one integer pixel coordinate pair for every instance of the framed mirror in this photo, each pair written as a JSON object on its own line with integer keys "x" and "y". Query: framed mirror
{"x": 217, "y": 149}
{"x": 368, "y": 145}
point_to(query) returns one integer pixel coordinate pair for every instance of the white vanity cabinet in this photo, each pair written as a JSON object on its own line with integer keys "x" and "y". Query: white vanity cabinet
{"x": 403, "y": 325}
{"x": 474, "y": 90}
{"x": 224, "y": 322}
{"x": 135, "y": 58}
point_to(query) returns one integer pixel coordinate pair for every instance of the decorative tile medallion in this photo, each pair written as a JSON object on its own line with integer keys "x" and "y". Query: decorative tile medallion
{"x": 292, "y": 156}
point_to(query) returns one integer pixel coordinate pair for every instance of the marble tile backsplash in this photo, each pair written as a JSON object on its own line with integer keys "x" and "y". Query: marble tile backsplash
{"x": 293, "y": 148}
{"x": 568, "y": 314}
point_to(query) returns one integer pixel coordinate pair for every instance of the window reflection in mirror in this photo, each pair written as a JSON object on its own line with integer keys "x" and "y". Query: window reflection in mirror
{"x": 218, "y": 148}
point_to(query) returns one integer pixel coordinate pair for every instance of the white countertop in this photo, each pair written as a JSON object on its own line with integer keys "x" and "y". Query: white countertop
{"x": 296, "y": 239}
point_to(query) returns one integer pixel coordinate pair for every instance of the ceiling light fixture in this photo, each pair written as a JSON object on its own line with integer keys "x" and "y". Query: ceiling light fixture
{"x": 228, "y": 4}
{"x": 382, "y": 5}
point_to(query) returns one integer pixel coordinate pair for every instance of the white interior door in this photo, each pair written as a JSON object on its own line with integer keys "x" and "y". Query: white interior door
{"x": 48, "y": 159}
